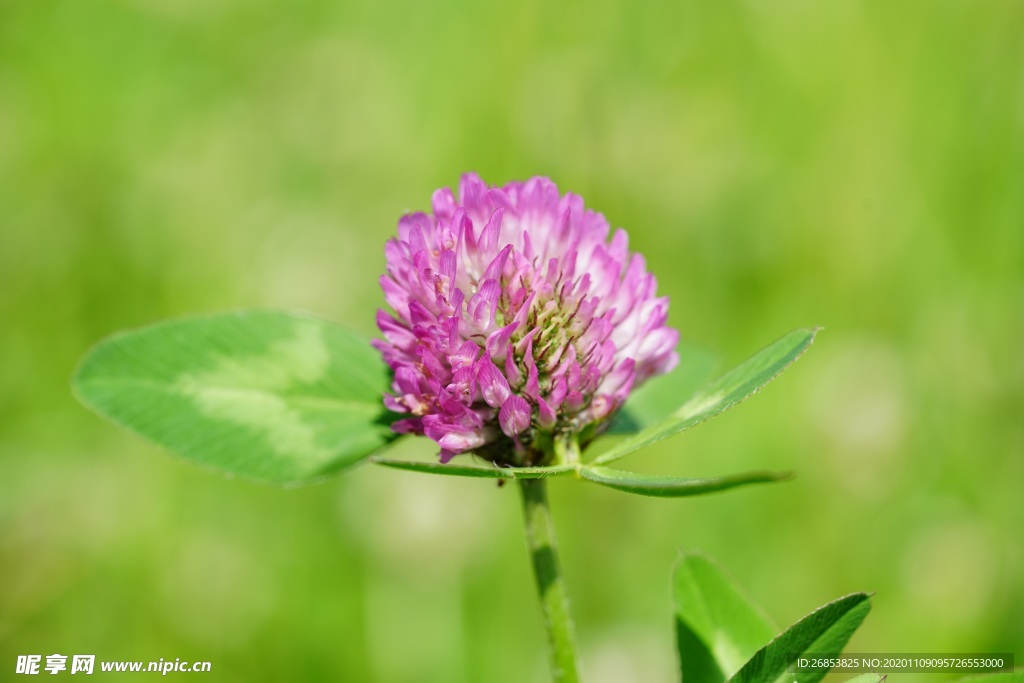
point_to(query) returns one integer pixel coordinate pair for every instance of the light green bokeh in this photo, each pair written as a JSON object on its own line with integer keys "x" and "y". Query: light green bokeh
{"x": 855, "y": 165}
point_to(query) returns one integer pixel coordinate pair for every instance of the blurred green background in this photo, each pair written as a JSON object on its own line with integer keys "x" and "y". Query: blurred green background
{"x": 857, "y": 165}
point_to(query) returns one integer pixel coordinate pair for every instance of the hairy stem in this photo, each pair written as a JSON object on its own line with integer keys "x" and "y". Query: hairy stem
{"x": 547, "y": 570}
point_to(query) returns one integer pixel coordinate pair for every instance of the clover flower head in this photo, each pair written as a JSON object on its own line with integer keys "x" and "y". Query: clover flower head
{"x": 517, "y": 321}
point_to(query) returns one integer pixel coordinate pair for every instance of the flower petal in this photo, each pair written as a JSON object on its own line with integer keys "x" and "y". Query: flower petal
{"x": 493, "y": 385}
{"x": 514, "y": 416}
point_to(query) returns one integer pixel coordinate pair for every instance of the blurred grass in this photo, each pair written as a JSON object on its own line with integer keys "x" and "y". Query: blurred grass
{"x": 856, "y": 165}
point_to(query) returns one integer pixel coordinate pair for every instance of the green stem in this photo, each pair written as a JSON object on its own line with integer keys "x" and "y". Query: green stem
{"x": 554, "y": 601}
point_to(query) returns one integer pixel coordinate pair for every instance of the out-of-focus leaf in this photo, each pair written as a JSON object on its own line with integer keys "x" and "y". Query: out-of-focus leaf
{"x": 824, "y": 631}
{"x": 717, "y": 627}
{"x": 720, "y": 395}
{"x": 673, "y": 487}
{"x": 266, "y": 395}
{"x": 1016, "y": 676}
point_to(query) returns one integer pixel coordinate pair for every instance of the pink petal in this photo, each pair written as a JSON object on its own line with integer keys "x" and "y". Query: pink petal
{"x": 493, "y": 385}
{"x": 514, "y": 416}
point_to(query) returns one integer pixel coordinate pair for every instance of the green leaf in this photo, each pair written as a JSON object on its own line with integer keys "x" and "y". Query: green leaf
{"x": 824, "y": 631}
{"x": 673, "y": 487}
{"x": 722, "y": 394}
{"x": 479, "y": 471}
{"x": 658, "y": 397}
{"x": 1015, "y": 676}
{"x": 867, "y": 678}
{"x": 265, "y": 395}
{"x": 718, "y": 627}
